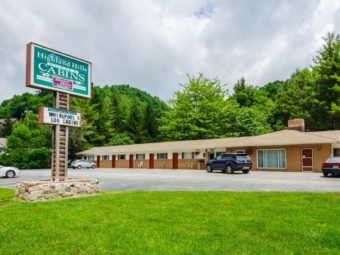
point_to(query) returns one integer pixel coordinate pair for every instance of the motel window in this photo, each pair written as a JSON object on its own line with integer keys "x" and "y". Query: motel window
{"x": 140, "y": 156}
{"x": 121, "y": 157}
{"x": 90, "y": 158}
{"x": 162, "y": 155}
{"x": 105, "y": 157}
{"x": 271, "y": 159}
{"x": 336, "y": 152}
{"x": 188, "y": 155}
{"x": 240, "y": 151}
{"x": 218, "y": 153}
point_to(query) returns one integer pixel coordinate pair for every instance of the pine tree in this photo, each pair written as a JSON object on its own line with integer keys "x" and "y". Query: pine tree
{"x": 135, "y": 123}
{"x": 294, "y": 99}
{"x": 150, "y": 122}
{"x": 326, "y": 79}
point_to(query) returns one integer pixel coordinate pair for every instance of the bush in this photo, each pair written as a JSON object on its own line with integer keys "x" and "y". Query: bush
{"x": 31, "y": 158}
{"x": 28, "y": 145}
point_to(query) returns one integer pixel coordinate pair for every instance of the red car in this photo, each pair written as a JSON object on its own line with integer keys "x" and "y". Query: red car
{"x": 331, "y": 166}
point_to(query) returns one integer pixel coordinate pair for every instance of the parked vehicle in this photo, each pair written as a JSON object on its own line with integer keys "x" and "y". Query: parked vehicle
{"x": 9, "y": 172}
{"x": 69, "y": 163}
{"x": 331, "y": 166}
{"x": 230, "y": 162}
{"x": 82, "y": 163}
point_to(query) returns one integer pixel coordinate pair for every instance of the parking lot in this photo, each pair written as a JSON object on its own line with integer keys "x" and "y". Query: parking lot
{"x": 156, "y": 179}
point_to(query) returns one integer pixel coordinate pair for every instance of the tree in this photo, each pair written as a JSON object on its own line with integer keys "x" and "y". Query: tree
{"x": 272, "y": 88}
{"x": 243, "y": 93}
{"x": 250, "y": 96}
{"x": 16, "y": 107}
{"x": 198, "y": 112}
{"x": 135, "y": 123}
{"x": 255, "y": 111}
{"x": 77, "y": 141}
{"x": 119, "y": 113}
{"x": 120, "y": 139}
{"x": 104, "y": 116}
{"x": 294, "y": 99}
{"x": 250, "y": 121}
{"x": 28, "y": 145}
{"x": 326, "y": 79}
{"x": 7, "y": 128}
{"x": 79, "y": 137}
{"x": 98, "y": 116}
{"x": 150, "y": 123}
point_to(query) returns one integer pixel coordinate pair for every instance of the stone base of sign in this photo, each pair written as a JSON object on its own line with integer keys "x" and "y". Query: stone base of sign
{"x": 43, "y": 190}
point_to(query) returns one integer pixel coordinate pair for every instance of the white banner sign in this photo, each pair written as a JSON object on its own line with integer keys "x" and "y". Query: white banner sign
{"x": 55, "y": 116}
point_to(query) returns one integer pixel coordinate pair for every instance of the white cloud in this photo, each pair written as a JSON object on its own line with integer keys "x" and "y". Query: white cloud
{"x": 153, "y": 44}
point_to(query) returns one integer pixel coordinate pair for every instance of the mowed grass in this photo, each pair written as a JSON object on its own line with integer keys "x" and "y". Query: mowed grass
{"x": 173, "y": 223}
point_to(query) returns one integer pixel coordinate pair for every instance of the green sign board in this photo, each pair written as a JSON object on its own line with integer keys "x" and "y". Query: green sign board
{"x": 53, "y": 70}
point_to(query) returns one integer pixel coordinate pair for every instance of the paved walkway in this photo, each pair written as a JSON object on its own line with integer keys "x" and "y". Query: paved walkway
{"x": 146, "y": 179}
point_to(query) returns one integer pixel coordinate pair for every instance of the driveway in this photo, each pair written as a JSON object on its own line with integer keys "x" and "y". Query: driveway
{"x": 146, "y": 179}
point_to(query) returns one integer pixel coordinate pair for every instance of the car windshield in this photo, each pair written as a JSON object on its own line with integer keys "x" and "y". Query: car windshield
{"x": 333, "y": 160}
{"x": 245, "y": 157}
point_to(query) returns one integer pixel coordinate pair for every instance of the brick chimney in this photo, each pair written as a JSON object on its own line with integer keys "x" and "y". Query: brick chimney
{"x": 296, "y": 124}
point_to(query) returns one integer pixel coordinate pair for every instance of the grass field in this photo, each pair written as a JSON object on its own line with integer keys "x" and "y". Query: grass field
{"x": 173, "y": 223}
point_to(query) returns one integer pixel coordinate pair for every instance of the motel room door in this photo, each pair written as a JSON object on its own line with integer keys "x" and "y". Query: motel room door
{"x": 175, "y": 160}
{"x": 307, "y": 160}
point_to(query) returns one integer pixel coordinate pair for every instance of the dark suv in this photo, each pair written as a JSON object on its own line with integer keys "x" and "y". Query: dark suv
{"x": 230, "y": 162}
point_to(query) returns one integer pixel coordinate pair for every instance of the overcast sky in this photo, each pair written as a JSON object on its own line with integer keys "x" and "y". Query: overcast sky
{"x": 153, "y": 45}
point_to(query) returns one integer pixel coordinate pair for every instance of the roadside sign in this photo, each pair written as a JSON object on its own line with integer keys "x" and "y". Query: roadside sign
{"x": 55, "y": 116}
{"x": 65, "y": 75}
{"x": 53, "y": 70}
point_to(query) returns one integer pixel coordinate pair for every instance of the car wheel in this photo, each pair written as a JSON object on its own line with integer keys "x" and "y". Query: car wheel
{"x": 229, "y": 170}
{"x": 245, "y": 171}
{"x": 209, "y": 169}
{"x": 325, "y": 174}
{"x": 10, "y": 174}
{"x": 79, "y": 167}
{"x": 93, "y": 167}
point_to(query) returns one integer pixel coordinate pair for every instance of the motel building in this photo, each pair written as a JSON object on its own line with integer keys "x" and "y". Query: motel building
{"x": 291, "y": 150}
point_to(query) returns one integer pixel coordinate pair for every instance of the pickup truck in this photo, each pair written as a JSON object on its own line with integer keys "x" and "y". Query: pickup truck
{"x": 230, "y": 162}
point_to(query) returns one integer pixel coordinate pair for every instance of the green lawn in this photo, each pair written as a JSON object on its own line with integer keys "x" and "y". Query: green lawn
{"x": 173, "y": 223}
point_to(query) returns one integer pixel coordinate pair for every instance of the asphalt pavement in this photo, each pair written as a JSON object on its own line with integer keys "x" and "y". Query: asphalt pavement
{"x": 160, "y": 179}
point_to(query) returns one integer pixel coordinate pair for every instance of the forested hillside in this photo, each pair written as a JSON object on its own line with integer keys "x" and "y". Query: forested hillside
{"x": 117, "y": 114}
{"x": 203, "y": 108}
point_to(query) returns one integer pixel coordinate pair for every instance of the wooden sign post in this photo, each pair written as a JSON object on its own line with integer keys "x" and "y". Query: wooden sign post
{"x": 60, "y": 141}
{"x": 65, "y": 75}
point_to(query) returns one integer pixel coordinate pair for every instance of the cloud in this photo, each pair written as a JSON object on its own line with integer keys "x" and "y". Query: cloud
{"x": 153, "y": 44}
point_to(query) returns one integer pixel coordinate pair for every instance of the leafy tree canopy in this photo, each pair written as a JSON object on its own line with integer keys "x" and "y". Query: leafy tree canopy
{"x": 28, "y": 145}
{"x": 199, "y": 111}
